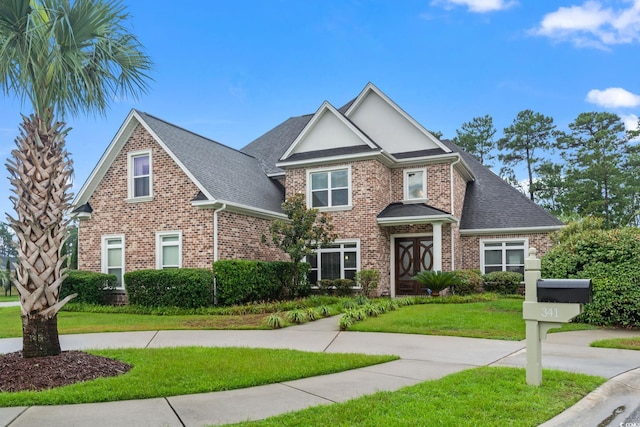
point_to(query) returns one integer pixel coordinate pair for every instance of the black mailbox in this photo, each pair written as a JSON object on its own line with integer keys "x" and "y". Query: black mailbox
{"x": 564, "y": 290}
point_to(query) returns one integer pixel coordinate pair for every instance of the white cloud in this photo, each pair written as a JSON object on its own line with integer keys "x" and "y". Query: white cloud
{"x": 630, "y": 121}
{"x": 592, "y": 25}
{"x": 478, "y": 6}
{"x": 613, "y": 97}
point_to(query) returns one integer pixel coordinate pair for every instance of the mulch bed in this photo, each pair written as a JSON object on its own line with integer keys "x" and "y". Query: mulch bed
{"x": 41, "y": 373}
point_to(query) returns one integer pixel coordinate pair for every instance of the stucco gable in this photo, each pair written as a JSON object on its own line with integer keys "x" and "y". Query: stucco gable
{"x": 328, "y": 130}
{"x": 389, "y": 125}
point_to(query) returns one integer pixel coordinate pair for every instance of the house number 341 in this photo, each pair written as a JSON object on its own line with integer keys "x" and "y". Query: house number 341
{"x": 549, "y": 312}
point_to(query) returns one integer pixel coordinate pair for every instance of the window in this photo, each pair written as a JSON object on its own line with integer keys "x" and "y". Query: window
{"x": 330, "y": 188}
{"x": 338, "y": 261}
{"x": 113, "y": 257}
{"x": 140, "y": 182}
{"x": 169, "y": 250}
{"x": 505, "y": 255}
{"x": 415, "y": 185}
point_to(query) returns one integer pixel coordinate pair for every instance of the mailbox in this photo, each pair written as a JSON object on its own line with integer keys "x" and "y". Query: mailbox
{"x": 564, "y": 290}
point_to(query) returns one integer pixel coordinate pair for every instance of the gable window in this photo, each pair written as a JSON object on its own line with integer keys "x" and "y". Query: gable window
{"x": 415, "y": 185}
{"x": 507, "y": 255}
{"x": 140, "y": 182}
{"x": 337, "y": 261}
{"x": 169, "y": 250}
{"x": 113, "y": 257}
{"x": 330, "y": 188}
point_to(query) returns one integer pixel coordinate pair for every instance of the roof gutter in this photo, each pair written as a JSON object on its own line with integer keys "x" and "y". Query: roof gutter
{"x": 515, "y": 230}
{"x": 404, "y": 220}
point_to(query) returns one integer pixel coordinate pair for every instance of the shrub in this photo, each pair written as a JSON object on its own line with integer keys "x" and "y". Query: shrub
{"x": 241, "y": 281}
{"x": 297, "y": 316}
{"x": 502, "y": 282}
{"x": 344, "y": 287}
{"x": 610, "y": 259}
{"x": 368, "y": 281}
{"x": 470, "y": 282}
{"x": 274, "y": 321}
{"x": 436, "y": 280}
{"x": 91, "y": 287}
{"x": 326, "y": 287}
{"x": 180, "y": 287}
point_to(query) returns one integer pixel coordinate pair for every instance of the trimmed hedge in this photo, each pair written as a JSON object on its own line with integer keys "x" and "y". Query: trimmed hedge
{"x": 242, "y": 281}
{"x": 610, "y": 259}
{"x": 91, "y": 287}
{"x": 181, "y": 287}
{"x": 470, "y": 282}
{"x": 502, "y": 282}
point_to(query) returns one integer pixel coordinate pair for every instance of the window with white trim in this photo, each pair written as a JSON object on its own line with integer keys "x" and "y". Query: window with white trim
{"x": 113, "y": 257}
{"x": 337, "y": 261}
{"x": 140, "y": 175}
{"x": 415, "y": 184}
{"x": 330, "y": 188}
{"x": 502, "y": 255}
{"x": 168, "y": 249}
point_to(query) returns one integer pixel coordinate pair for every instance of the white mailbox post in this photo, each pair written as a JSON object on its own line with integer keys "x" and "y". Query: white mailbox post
{"x": 540, "y": 317}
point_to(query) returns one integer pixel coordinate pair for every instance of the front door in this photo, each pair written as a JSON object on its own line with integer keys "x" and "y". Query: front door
{"x": 412, "y": 255}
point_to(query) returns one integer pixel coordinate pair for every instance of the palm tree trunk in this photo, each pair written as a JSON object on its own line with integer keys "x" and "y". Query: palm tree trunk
{"x": 41, "y": 177}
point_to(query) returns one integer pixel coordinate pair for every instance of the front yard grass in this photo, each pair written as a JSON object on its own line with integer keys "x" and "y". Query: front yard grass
{"x": 163, "y": 372}
{"x": 499, "y": 319}
{"x": 487, "y": 396}
{"x": 621, "y": 343}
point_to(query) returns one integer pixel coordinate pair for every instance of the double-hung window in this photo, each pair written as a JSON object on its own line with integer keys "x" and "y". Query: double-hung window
{"x": 168, "y": 249}
{"x": 337, "y": 261}
{"x": 113, "y": 257}
{"x": 505, "y": 255}
{"x": 330, "y": 188}
{"x": 140, "y": 177}
{"x": 415, "y": 185}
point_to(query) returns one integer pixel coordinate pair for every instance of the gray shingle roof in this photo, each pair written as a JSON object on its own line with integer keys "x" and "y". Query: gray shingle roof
{"x": 490, "y": 202}
{"x": 272, "y": 145}
{"x": 342, "y": 151}
{"x": 227, "y": 174}
{"x": 401, "y": 210}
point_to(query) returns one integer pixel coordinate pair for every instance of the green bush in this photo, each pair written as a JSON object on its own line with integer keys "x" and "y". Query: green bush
{"x": 181, "y": 287}
{"x": 241, "y": 281}
{"x": 91, "y": 287}
{"x": 437, "y": 281}
{"x": 340, "y": 287}
{"x": 610, "y": 259}
{"x": 368, "y": 281}
{"x": 502, "y": 282}
{"x": 470, "y": 282}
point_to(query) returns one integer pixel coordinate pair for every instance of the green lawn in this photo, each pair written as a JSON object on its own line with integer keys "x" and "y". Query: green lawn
{"x": 500, "y": 319}
{"x": 621, "y": 343}
{"x": 185, "y": 370}
{"x": 476, "y": 397}
{"x": 83, "y": 322}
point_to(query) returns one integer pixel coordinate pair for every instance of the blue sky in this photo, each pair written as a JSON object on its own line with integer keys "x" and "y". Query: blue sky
{"x": 232, "y": 70}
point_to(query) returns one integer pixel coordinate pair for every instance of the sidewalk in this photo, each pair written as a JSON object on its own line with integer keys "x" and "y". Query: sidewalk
{"x": 422, "y": 358}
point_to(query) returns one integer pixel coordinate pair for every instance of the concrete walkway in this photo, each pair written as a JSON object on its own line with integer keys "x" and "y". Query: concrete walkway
{"x": 422, "y": 358}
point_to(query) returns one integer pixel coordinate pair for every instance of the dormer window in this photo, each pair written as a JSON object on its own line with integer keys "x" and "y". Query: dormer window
{"x": 140, "y": 178}
{"x": 415, "y": 185}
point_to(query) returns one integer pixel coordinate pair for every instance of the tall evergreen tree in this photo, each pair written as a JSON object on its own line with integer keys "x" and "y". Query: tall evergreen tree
{"x": 595, "y": 151}
{"x": 530, "y": 134}
{"x": 476, "y": 138}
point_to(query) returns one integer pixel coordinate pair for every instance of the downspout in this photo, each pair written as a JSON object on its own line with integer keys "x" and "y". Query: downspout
{"x": 215, "y": 248}
{"x": 451, "y": 183}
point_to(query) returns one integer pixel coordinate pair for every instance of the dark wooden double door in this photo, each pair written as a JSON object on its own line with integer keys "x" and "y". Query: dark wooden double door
{"x": 412, "y": 255}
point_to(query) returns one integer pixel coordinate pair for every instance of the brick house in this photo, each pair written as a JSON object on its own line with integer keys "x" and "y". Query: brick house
{"x": 400, "y": 199}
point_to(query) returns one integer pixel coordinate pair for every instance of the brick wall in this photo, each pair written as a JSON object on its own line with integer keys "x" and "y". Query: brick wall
{"x": 170, "y": 210}
{"x": 240, "y": 237}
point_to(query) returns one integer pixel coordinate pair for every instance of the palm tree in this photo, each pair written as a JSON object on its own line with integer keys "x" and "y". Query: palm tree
{"x": 63, "y": 58}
